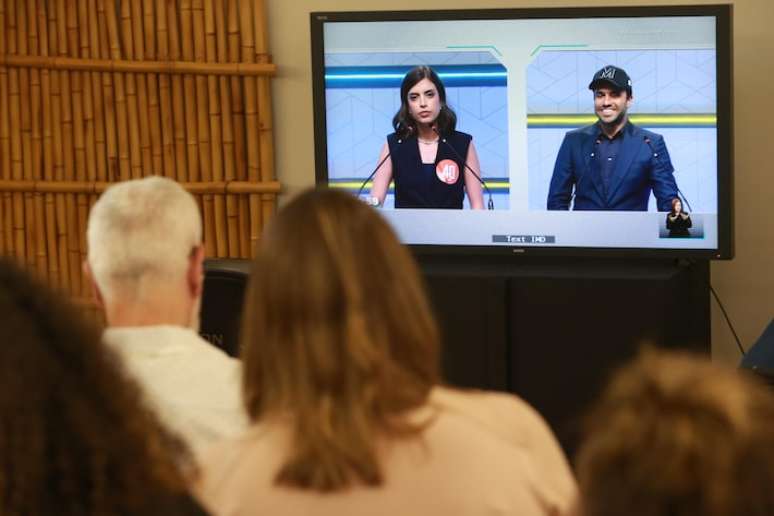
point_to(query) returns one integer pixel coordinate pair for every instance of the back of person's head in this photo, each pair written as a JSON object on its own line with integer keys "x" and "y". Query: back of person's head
{"x": 74, "y": 436}
{"x": 141, "y": 235}
{"x": 338, "y": 337}
{"x": 676, "y": 435}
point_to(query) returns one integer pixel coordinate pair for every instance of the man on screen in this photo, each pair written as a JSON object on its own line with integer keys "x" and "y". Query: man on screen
{"x": 612, "y": 164}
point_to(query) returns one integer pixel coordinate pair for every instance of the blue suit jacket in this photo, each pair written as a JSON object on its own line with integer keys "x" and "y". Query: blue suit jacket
{"x": 642, "y": 165}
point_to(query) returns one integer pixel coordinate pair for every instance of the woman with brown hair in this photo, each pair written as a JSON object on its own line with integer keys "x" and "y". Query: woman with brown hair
{"x": 431, "y": 163}
{"x": 75, "y": 438}
{"x": 342, "y": 387}
{"x": 676, "y": 435}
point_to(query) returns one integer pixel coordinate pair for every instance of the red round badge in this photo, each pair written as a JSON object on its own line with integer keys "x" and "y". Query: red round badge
{"x": 447, "y": 171}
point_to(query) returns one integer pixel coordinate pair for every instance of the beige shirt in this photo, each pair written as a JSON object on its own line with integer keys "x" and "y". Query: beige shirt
{"x": 193, "y": 386}
{"x": 483, "y": 454}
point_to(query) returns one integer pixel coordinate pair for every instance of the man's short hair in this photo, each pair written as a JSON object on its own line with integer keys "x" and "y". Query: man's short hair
{"x": 141, "y": 229}
{"x": 678, "y": 435}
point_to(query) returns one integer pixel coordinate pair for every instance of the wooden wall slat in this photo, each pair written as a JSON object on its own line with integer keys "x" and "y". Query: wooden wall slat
{"x": 216, "y": 138}
{"x": 58, "y": 152}
{"x": 6, "y": 224}
{"x": 46, "y": 172}
{"x": 25, "y": 110}
{"x": 70, "y": 106}
{"x": 40, "y": 233}
{"x": 98, "y": 91}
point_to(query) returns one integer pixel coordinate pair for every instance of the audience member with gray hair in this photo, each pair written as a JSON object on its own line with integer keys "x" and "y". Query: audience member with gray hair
{"x": 145, "y": 262}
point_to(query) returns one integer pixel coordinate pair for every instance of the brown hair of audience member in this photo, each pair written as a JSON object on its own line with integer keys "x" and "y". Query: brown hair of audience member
{"x": 676, "y": 435}
{"x": 74, "y": 436}
{"x": 339, "y": 338}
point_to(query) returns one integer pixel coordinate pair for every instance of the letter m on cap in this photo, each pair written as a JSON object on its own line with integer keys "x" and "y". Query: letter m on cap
{"x": 607, "y": 73}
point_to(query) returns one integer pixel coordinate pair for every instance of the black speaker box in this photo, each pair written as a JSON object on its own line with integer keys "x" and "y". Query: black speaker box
{"x": 225, "y": 282}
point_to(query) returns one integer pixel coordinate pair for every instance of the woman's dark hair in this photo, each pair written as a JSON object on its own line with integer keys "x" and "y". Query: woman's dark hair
{"x": 674, "y": 202}
{"x": 403, "y": 123}
{"x": 338, "y": 339}
{"x": 75, "y": 437}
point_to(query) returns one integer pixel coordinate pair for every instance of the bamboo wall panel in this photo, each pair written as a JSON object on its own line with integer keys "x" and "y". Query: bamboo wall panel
{"x": 97, "y": 91}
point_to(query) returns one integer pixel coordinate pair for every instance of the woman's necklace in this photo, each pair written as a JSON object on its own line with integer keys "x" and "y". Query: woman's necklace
{"x": 427, "y": 142}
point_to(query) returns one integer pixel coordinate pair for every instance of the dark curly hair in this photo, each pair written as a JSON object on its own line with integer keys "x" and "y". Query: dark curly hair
{"x": 75, "y": 437}
{"x": 403, "y": 123}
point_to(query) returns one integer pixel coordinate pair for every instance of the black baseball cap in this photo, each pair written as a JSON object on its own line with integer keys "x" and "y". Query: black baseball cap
{"x": 613, "y": 76}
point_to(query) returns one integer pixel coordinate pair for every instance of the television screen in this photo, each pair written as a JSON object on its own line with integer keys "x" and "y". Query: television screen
{"x": 581, "y": 130}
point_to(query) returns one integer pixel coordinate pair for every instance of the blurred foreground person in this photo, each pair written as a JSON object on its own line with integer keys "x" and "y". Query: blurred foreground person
{"x": 341, "y": 383}
{"x": 145, "y": 261}
{"x": 75, "y": 438}
{"x": 676, "y": 435}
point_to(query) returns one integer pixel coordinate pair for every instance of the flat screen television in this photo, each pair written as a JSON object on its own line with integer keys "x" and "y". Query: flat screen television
{"x": 519, "y": 82}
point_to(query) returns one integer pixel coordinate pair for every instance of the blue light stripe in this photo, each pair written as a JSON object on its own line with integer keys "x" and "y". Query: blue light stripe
{"x": 391, "y": 76}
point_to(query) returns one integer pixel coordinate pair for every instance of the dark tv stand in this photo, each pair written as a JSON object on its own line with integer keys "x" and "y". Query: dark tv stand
{"x": 552, "y": 330}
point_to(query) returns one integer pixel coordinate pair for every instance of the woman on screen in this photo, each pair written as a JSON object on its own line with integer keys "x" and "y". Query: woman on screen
{"x": 429, "y": 161}
{"x": 341, "y": 384}
{"x": 678, "y": 221}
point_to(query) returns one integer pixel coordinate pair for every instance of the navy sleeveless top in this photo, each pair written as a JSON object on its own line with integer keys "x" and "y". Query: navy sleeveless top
{"x": 435, "y": 185}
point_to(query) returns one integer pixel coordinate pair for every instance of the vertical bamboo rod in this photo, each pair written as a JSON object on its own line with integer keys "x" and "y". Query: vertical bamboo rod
{"x": 6, "y": 201}
{"x": 17, "y": 168}
{"x": 115, "y": 112}
{"x": 30, "y": 225}
{"x": 134, "y": 143}
{"x": 165, "y": 93}
{"x": 237, "y": 108}
{"x": 154, "y": 108}
{"x": 104, "y": 119}
{"x": 203, "y": 122}
{"x": 47, "y": 171}
{"x": 148, "y": 22}
{"x": 265, "y": 125}
{"x": 79, "y": 145}
{"x": 251, "y": 118}
{"x": 229, "y": 174}
{"x": 89, "y": 115}
{"x": 181, "y": 149}
{"x": 59, "y": 166}
{"x": 141, "y": 85}
{"x": 100, "y": 130}
{"x": 39, "y": 220}
{"x": 191, "y": 127}
{"x": 216, "y": 139}
{"x": 89, "y": 122}
{"x": 69, "y": 148}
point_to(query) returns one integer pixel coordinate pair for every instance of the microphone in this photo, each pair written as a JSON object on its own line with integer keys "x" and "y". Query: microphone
{"x": 680, "y": 194}
{"x": 370, "y": 176}
{"x": 490, "y": 202}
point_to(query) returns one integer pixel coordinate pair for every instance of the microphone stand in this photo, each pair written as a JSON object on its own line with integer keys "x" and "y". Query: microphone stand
{"x": 362, "y": 185}
{"x": 679, "y": 192}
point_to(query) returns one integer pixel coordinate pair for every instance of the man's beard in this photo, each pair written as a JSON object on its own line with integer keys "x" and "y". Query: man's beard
{"x": 615, "y": 122}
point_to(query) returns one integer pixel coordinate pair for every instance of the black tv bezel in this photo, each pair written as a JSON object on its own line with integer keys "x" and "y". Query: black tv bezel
{"x": 724, "y": 68}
